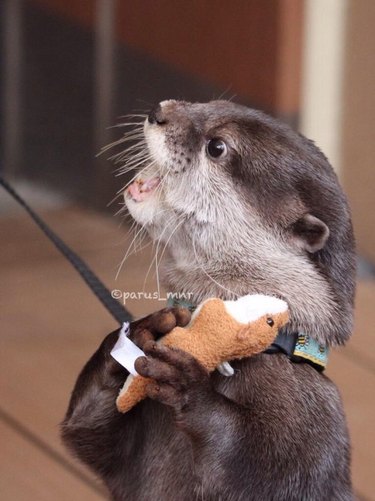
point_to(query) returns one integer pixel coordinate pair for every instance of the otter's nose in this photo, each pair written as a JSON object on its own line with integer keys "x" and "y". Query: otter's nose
{"x": 156, "y": 116}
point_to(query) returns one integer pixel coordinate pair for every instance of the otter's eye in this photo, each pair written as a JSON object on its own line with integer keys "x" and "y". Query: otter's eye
{"x": 270, "y": 322}
{"x": 216, "y": 148}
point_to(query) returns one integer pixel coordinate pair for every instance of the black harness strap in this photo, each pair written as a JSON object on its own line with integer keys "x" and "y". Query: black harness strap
{"x": 96, "y": 285}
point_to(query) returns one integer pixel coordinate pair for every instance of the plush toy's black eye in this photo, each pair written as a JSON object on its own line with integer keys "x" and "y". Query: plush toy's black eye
{"x": 216, "y": 148}
{"x": 270, "y": 322}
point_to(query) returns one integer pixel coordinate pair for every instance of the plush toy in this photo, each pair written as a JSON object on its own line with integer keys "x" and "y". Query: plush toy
{"x": 219, "y": 331}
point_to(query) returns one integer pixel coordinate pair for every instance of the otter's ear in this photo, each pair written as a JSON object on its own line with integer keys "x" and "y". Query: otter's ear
{"x": 310, "y": 233}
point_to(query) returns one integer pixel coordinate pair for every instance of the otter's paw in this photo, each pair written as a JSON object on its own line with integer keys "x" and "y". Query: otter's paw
{"x": 179, "y": 380}
{"x": 157, "y": 325}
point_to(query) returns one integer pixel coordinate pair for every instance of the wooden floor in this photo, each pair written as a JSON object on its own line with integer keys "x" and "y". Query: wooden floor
{"x": 51, "y": 324}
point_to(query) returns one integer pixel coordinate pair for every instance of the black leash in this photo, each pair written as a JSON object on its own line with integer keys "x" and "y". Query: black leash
{"x": 118, "y": 311}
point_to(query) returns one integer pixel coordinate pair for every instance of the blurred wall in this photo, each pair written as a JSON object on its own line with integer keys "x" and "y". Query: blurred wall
{"x": 322, "y": 75}
{"x": 358, "y": 124}
{"x": 80, "y": 65}
{"x": 250, "y": 48}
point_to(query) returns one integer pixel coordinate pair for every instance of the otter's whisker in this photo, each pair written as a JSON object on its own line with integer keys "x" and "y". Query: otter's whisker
{"x": 137, "y": 132}
{"x": 125, "y": 162}
{"x": 134, "y": 158}
{"x": 127, "y": 124}
{"x": 167, "y": 225}
{"x": 128, "y": 251}
{"x": 141, "y": 236}
{"x": 138, "y": 146}
{"x": 131, "y": 166}
{"x": 132, "y": 115}
{"x": 118, "y": 195}
{"x": 138, "y": 174}
{"x": 128, "y": 152}
{"x": 181, "y": 219}
{"x": 208, "y": 275}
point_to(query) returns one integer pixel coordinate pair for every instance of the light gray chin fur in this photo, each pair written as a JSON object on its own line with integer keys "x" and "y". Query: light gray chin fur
{"x": 202, "y": 266}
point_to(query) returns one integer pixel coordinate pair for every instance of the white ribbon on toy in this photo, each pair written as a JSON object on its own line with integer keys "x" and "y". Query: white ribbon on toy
{"x": 125, "y": 351}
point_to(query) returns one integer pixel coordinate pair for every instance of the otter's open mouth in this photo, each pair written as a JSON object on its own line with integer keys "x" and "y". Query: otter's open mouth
{"x": 141, "y": 189}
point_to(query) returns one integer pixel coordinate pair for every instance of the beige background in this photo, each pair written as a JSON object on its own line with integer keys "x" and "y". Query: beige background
{"x": 358, "y": 126}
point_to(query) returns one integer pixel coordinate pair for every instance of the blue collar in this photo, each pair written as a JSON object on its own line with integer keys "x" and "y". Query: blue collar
{"x": 298, "y": 347}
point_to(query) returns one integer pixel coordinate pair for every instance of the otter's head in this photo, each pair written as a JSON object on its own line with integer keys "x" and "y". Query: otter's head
{"x": 240, "y": 204}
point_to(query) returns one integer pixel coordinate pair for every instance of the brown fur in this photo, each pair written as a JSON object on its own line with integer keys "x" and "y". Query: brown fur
{"x": 275, "y": 431}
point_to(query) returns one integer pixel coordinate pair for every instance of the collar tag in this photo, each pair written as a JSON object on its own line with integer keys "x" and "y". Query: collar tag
{"x": 308, "y": 348}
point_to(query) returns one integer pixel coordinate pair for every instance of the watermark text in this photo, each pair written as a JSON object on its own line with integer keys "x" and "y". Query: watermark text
{"x": 123, "y": 296}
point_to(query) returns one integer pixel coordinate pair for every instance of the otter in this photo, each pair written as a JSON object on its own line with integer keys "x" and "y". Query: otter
{"x": 241, "y": 204}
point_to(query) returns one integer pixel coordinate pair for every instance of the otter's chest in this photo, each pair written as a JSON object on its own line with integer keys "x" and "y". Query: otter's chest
{"x": 257, "y": 381}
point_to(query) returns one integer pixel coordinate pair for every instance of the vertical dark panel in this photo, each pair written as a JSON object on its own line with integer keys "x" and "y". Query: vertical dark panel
{"x": 57, "y": 117}
{"x": 11, "y": 99}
